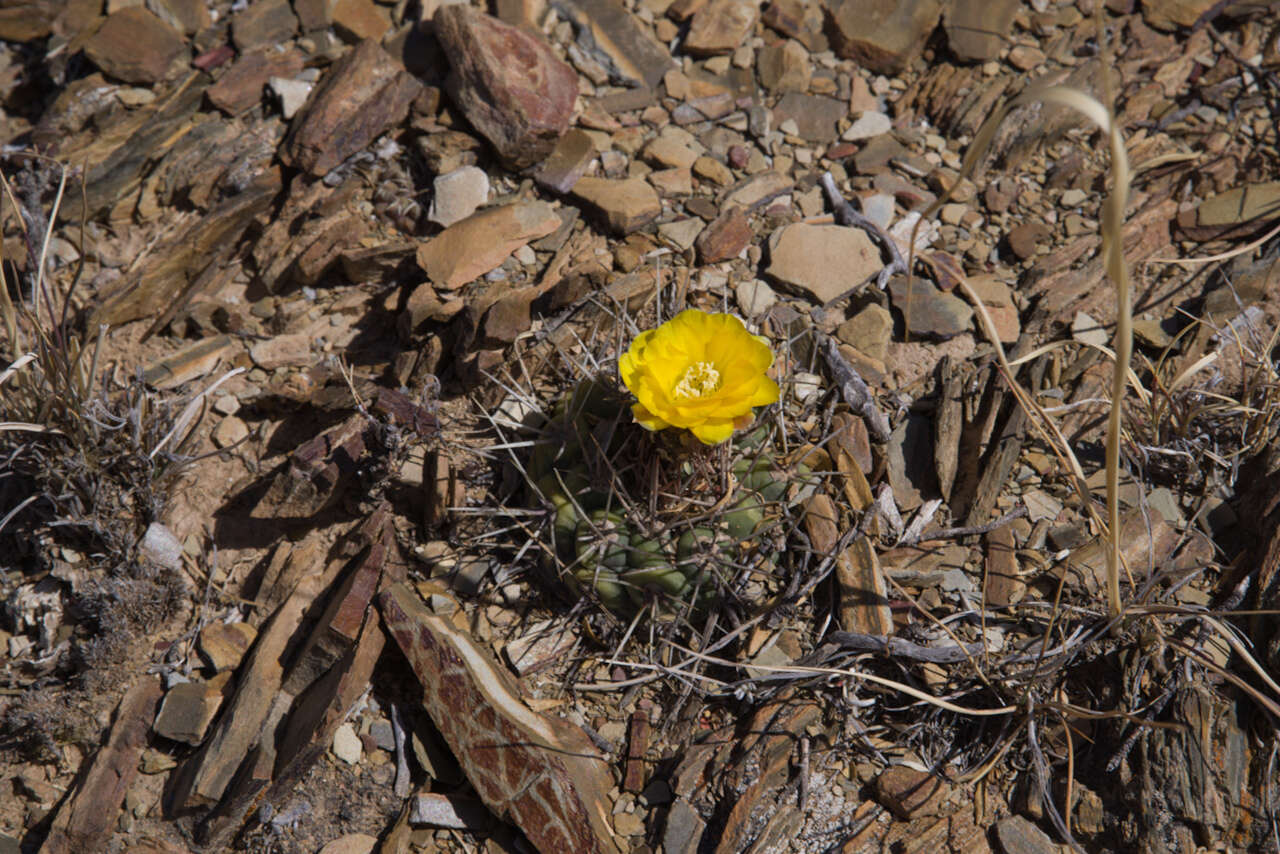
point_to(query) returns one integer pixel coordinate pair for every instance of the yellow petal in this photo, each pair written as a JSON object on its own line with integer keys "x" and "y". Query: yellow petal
{"x": 647, "y": 419}
{"x": 713, "y": 432}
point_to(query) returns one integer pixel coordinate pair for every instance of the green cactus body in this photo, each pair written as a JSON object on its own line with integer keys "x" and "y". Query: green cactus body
{"x": 609, "y": 547}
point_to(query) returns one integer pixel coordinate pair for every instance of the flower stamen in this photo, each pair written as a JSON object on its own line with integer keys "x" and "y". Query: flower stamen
{"x": 699, "y": 380}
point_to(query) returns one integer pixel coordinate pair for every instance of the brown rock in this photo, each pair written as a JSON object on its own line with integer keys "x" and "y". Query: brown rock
{"x": 1171, "y": 14}
{"x": 240, "y": 87}
{"x": 977, "y": 30}
{"x": 784, "y": 67}
{"x": 507, "y": 82}
{"x": 313, "y": 14}
{"x": 481, "y": 242}
{"x": 135, "y": 46}
{"x": 929, "y": 311}
{"x": 632, "y": 51}
{"x": 909, "y": 793}
{"x": 85, "y": 820}
{"x": 356, "y": 20}
{"x": 998, "y": 300}
{"x": 751, "y": 193}
{"x": 625, "y": 206}
{"x": 822, "y": 261}
{"x": 222, "y": 645}
{"x": 869, "y": 331}
{"x": 541, "y": 773}
{"x": 882, "y": 35}
{"x": 721, "y": 26}
{"x": 282, "y": 351}
{"x": 185, "y": 16}
{"x": 1024, "y": 240}
{"x": 567, "y": 162}
{"x": 187, "y": 711}
{"x": 1005, "y": 585}
{"x": 507, "y": 318}
{"x": 815, "y": 115}
{"x": 1016, "y": 835}
{"x": 672, "y": 182}
{"x": 25, "y": 22}
{"x": 363, "y": 94}
{"x": 265, "y": 22}
{"x": 724, "y": 237}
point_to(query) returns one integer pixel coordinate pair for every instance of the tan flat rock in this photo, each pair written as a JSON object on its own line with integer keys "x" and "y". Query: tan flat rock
{"x": 467, "y": 250}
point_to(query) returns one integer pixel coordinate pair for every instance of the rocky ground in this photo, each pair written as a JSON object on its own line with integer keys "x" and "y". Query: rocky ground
{"x": 316, "y": 276}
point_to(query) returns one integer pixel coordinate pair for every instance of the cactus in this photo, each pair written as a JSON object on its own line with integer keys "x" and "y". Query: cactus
{"x": 577, "y": 470}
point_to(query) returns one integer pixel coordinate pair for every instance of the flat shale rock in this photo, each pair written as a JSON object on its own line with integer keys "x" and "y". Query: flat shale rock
{"x": 465, "y": 251}
{"x": 882, "y": 35}
{"x": 240, "y": 87}
{"x": 185, "y": 16}
{"x": 822, "y": 261}
{"x": 625, "y": 206}
{"x": 508, "y": 83}
{"x": 539, "y": 772}
{"x": 135, "y": 46}
{"x": 909, "y": 793}
{"x": 724, "y": 237}
{"x": 265, "y": 22}
{"x": 187, "y": 711}
{"x": 363, "y": 94}
{"x": 631, "y": 52}
{"x": 977, "y": 30}
{"x": 721, "y": 26}
{"x": 567, "y": 162}
{"x": 24, "y": 22}
{"x": 784, "y": 67}
{"x": 1016, "y": 835}
{"x": 360, "y": 19}
{"x": 929, "y": 311}
{"x": 1171, "y": 14}
{"x": 815, "y": 115}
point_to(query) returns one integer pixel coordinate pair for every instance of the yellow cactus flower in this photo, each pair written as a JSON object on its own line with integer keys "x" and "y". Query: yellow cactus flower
{"x": 703, "y": 372}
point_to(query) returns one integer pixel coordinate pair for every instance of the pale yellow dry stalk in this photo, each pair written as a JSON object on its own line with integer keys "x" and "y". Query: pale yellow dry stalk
{"x": 1113, "y": 253}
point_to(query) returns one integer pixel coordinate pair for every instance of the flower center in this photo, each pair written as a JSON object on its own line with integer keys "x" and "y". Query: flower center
{"x": 700, "y": 378}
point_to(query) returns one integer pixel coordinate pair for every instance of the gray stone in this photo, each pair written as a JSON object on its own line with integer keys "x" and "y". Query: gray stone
{"x": 815, "y": 115}
{"x": 928, "y": 311}
{"x": 866, "y": 126}
{"x": 879, "y": 209}
{"x": 682, "y": 232}
{"x": 162, "y": 546}
{"x": 755, "y": 297}
{"x": 292, "y": 94}
{"x": 347, "y": 745}
{"x": 457, "y": 195}
{"x": 684, "y": 829}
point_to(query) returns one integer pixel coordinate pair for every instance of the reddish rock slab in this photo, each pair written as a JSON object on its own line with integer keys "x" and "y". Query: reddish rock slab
{"x": 507, "y": 82}
{"x": 539, "y": 772}
{"x": 725, "y": 236}
{"x": 85, "y": 820}
{"x": 265, "y": 22}
{"x": 364, "y": 93}
{"x": 135, "y": 46}
{"x": 240, "y": 88}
